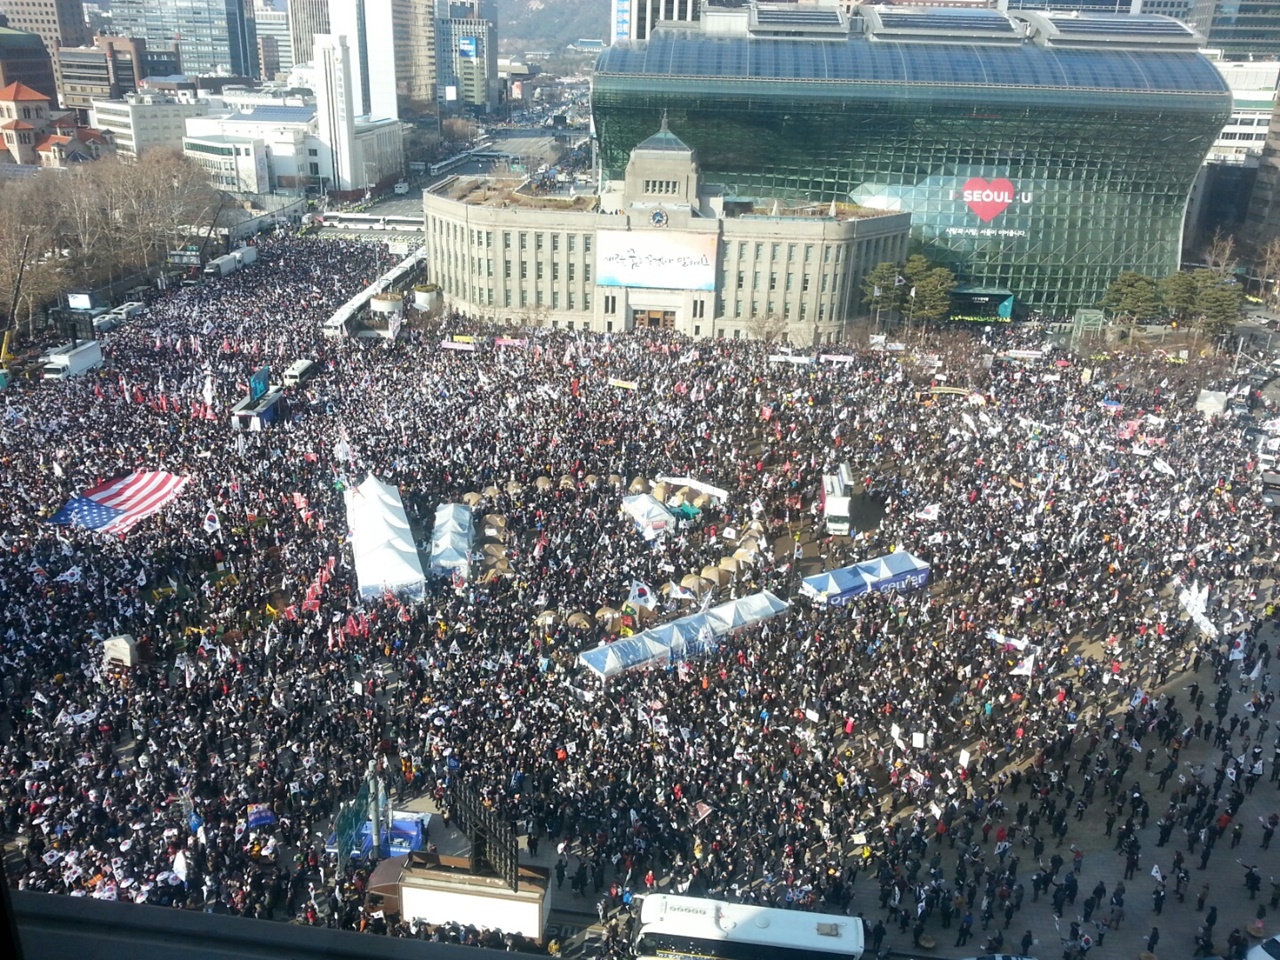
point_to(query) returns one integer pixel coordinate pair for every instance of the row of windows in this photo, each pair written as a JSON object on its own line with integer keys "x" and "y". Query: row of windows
{"x": 664, "y": 187}
{"x": 522, "y": 238}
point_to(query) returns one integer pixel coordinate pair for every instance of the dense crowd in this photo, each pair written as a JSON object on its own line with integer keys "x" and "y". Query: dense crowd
{"x": 1063, "y": 505}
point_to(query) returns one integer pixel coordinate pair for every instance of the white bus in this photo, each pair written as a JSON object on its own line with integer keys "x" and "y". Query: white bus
{"x": 298, "y": 371}
{"x": 691, "y": 928}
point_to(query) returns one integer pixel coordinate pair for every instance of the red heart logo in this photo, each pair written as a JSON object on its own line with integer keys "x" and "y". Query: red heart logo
{"x": 987, "y": 200}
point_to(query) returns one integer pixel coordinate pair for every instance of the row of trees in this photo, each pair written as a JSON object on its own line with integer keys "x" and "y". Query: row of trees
{"x": 97, "y": 223}
{"x": 919, "y": 289}
{"x": 1207, "y": 298}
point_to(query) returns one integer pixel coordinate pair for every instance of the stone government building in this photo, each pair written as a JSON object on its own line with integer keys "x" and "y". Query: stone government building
{"x": 661, "y": 249}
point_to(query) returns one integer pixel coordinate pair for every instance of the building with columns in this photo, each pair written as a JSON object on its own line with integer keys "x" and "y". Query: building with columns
{"x": 658, "y": 249}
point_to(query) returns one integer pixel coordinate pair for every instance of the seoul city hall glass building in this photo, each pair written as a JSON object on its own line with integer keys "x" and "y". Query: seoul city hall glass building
{"x": 1039, "y": 154}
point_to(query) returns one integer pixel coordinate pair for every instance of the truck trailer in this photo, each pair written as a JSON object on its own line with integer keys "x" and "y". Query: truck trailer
{"x": 72, "y": 359}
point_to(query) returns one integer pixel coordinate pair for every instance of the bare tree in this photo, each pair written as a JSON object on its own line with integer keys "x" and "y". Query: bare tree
{"x": 98, "y": 222}
{"x": 1220, "y": 253}
{"x": 1268, "y": 265}
{"x": 770, "y": 327}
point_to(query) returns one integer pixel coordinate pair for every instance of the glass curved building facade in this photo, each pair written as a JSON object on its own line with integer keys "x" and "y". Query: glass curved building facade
{"x": 1035, "y": 156}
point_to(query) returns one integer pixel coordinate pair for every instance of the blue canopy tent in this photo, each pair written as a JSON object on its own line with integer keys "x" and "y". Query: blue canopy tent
{"x": 834, "y": 585}
{"x": 894, "y": 571}
{"x": 407, "y": 833}
{"x": 906, "y": 572}
{"x": 680, "y": 638}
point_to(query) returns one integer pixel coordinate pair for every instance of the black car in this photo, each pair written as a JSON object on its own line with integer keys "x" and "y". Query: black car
{"x": 1271, "y": 489}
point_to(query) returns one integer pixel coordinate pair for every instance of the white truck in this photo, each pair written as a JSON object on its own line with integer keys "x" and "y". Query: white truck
{"x": 834, "y": 501}
{"x": 72, "y": 359}
{"x": 221, "y": 266}
{"x": 245, "y": 255}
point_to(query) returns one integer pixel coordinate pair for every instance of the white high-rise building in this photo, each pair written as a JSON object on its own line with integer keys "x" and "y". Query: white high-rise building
{"x": 335, "y": 109}
{"x": 364, "y": 152}
{"x": 635, "y": 19}
{"x": 369, "y": 26}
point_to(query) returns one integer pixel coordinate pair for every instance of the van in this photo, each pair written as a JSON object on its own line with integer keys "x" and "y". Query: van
{"x": 1268, "y": 452}
{"x": 402, "y": 187}
{"x": 299, "y": 371}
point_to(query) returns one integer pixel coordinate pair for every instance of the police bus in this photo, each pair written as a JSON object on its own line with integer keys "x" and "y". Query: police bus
{"x": 691, "y": 928}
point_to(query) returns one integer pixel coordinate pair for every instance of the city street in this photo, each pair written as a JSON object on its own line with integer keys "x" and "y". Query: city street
{"x": 1178, "y": 920}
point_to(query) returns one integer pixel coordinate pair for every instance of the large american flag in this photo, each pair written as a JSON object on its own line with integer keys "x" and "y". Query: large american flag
{"x": 115, "y": 506}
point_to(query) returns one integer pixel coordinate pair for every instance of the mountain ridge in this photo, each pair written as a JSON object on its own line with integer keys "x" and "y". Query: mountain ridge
{"x": 550, "y": 24}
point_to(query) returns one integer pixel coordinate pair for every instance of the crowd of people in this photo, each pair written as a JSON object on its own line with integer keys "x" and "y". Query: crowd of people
{"x": 1063, "y": 503}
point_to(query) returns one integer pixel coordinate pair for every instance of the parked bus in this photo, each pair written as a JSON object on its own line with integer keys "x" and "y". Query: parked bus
{"x": 691, "y": 928}
{"x": 444, "y": 166}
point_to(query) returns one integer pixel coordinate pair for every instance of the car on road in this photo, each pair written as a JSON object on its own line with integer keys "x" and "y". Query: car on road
{"x": 1266, "y": 950}
{"x": 1271, "y": 497}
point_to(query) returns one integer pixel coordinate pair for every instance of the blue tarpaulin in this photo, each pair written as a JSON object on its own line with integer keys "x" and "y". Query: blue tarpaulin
{"x": 405, "y": 835}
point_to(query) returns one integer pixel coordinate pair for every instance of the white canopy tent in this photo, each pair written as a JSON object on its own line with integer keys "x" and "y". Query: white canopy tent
{"x": 381, "y": 541}
{"x": 651, "y": 517}
{"x": 451, "y": 539}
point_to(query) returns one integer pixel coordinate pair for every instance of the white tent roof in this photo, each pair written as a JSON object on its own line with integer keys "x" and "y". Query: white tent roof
{"x": 452, "y": 537}
{"x": 381, "y": 542}
{"x": 647, "y": 511}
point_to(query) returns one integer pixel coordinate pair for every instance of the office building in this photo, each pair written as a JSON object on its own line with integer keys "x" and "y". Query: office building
{"x": 335, "y": 106}
{"x": 369, "y": 27}
{"x": 24, "y": 59}
{"x": 214, "y": 36}
{"x": 1241, "y": 29}
{"x": 108, "y": 70}
{"x": 635, "y": 19}
{"x": 306, "y": 19}
{"x": 233, "y": 164}
{"x": 58, "y": 23}
{"x": 263, "y": 149}
{"x": 145, "y": 121}
{"x": 1220, "y": 198}
{"x": 661, "y": 249}
{"x": 275, "y": 42}
{"x": 415, "y": 27}
{"x": 363, "y": 152}
{"x": 1039, "y": 154}
{"x": 467, "y": 60}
